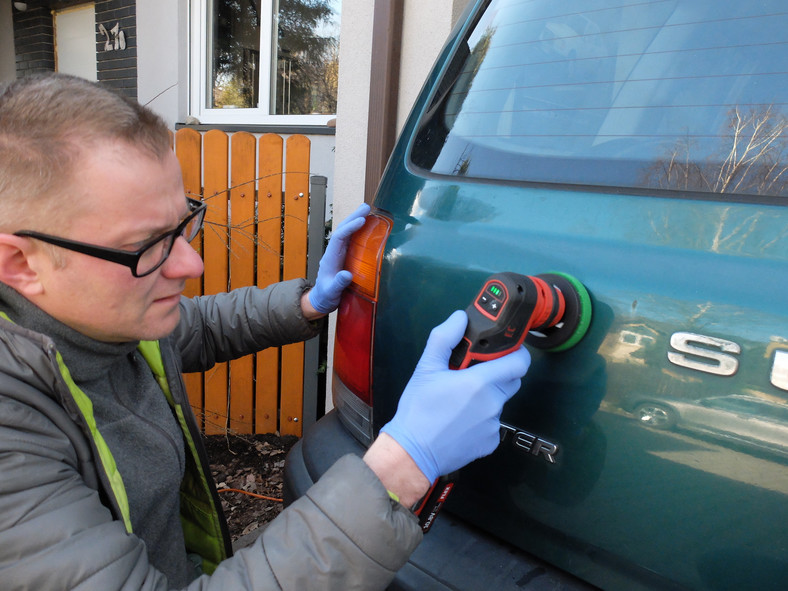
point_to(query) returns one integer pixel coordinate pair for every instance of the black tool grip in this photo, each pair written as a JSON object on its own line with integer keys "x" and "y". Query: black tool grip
{"x": 430, "y": 505}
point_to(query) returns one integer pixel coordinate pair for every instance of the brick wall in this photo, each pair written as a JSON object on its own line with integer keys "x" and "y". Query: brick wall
{"x": 34, "y": 43}
{"x": 117, "y": 67}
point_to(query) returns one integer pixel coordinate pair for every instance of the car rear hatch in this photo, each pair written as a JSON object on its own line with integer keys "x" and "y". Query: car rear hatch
{"x": 687, "y": 281}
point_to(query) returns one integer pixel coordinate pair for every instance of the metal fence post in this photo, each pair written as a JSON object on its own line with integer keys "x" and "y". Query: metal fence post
{"x": 317, "y": 217}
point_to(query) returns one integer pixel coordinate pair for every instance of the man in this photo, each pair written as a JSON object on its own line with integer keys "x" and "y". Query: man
{"x": 103, "y": 478}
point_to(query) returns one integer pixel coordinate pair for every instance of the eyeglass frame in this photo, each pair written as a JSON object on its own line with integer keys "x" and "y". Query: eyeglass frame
{"x": 125, "y": 257}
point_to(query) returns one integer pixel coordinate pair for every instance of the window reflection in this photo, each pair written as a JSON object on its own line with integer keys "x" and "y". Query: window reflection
{"x": 298, "y": 76}
{"x": 577, "y": 93}
{"x": 307, "y": 58}
{"x": 236, "y": 54}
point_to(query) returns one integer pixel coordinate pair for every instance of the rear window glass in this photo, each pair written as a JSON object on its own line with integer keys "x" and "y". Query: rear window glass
{"x": 686, "y": 95}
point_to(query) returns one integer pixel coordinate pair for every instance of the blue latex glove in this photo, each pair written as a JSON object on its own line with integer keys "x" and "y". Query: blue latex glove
{"x": 332, "y": 279}
{"x": 448, "y": 418}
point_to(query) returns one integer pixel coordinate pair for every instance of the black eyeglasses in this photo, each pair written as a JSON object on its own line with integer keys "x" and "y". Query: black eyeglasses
{"x": 145, "y": 260}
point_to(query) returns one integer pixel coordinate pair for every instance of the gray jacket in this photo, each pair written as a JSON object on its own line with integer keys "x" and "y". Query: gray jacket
{"x": 60, "y": 527}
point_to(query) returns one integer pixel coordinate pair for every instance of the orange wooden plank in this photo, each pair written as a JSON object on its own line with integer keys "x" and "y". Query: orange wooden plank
{"x": 188, "y": 148}
{"x": 269, "y": 228}
{"x": 242, "y": 273}
{"x": 296, "y": 206}
{"x": 216, "y": 221}
{"x": 269, "y": 270}
{"x": 294, "y": 266}
{"x": 216, "y": 240}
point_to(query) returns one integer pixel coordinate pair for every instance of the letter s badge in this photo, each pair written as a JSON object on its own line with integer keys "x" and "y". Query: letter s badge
{"x": 706, "y": 354}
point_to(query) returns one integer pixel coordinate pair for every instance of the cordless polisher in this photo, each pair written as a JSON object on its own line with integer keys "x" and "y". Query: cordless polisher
{"x": 550, "y": 312}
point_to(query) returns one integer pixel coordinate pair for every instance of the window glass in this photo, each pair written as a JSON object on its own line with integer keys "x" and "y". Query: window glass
{"x": 280, "y": 56}
{"x": 670, "y": 94}
{"x": 307, "y": 57}
{"x": 236, "y": 54}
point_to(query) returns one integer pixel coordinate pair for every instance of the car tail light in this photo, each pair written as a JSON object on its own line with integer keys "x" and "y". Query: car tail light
{"x": 352, "y": 381}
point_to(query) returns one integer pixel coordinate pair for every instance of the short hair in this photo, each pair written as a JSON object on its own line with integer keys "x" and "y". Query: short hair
{"x": 47, "y": 122}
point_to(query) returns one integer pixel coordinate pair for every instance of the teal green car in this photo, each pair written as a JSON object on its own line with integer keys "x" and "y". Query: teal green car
{"x": 641, "y": 148}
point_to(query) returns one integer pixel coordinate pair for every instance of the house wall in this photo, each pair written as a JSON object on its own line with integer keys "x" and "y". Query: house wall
{"x": 426, "y": 25}
{"x": 7, "y": 57}
{"x": 162, "y": 57}
{"x": 34, "y": 43}
{"x": 117, "y": 63}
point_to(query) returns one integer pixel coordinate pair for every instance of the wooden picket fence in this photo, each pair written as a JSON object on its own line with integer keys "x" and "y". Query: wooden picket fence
{"x": 256, "y": 233}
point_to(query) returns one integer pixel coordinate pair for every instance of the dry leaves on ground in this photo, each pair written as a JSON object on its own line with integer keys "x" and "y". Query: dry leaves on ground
{"x": 253, "y": 464}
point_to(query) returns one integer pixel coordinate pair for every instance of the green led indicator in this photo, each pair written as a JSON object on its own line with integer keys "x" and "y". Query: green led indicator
{"x": 495, "y": 290}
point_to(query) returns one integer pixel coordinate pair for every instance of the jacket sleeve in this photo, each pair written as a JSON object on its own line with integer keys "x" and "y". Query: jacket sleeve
{"x": 55, "y": 533}
{"x": 344, "y": 533}
{"x": 230, "y": 325}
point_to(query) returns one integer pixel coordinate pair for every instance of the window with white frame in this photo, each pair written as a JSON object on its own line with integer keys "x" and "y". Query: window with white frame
{"x": 264, "y": 61}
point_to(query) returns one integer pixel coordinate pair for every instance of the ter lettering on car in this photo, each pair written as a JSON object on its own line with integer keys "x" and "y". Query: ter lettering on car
{"x": 529, "y": 443}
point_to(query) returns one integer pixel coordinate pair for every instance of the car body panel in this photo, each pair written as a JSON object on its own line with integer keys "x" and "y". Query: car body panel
{"x": 647, "y": 281}
{"x": 736, "y": 420}
{"x": 654, "y": 264}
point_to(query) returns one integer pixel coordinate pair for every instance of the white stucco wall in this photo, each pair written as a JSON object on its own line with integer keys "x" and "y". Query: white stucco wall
{"x": 162, "y": 45}
{"x": 355, "y": 42}
{"x": 426, "y": 26}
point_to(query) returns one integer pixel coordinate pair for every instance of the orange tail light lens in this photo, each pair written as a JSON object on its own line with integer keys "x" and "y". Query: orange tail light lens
{"x": 356, "y": 315}
{"x": 365, "y": 253}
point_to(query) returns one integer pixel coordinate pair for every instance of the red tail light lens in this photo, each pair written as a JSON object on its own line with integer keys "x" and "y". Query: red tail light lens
{"x": 352, "y": 349}
{"x": 356, "y": 315}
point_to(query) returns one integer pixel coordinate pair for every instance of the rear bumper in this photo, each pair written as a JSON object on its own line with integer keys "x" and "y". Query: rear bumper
{"x": 453, "y": 556}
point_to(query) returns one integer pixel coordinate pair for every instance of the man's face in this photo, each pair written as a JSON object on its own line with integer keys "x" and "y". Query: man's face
{"x": 120, "y": 198}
